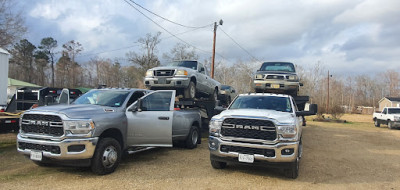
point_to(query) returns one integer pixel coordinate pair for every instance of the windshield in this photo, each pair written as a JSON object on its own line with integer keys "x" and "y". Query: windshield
{"x": 262, "y": 102}
{"x": 270, "y": 66}
{"x": 394, "y": 110}
{"x": 187, "y": 64}
{"x": 223, "y": 87}
{"x": 103, "y": 98}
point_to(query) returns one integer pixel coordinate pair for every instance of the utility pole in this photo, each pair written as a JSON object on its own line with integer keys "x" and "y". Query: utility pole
{"x": 327, "y": 100}
{"x": 213, "y": 52}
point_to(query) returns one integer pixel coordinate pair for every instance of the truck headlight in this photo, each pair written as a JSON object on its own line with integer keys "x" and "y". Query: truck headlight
{"x": 259, "y": 76}
{"x": 181, "y": 73}
{"x": 293, "y": 77}
{"x": 79, "y": 126}
{"x": 215, "y": 127}
{"x": 149, "y": 73}
{"x": 287, "y": 131}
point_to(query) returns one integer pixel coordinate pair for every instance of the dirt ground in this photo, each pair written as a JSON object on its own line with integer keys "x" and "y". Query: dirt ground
{"x": 355, "y": 155}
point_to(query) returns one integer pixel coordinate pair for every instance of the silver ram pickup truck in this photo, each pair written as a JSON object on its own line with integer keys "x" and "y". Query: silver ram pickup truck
{"x": 259, "y": 129}
{"x": 100, "y": 125}
{"x": 189, "y": 78}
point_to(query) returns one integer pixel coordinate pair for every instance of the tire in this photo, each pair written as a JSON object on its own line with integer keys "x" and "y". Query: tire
{"x": 106, "y": 157}
{"x": 193, "y": 138}
{"x": 293, "y": 171}
{"x": 217, "y": 164}
{"x": 190, "y": 91}
{"x": 390, "y": 124}
{"x": 214, "y": 95}
{"x": 376, "y": 123}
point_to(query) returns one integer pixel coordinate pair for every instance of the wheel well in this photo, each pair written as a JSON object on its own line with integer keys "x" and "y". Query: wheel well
{"x": 193, "y": 79}
{"x": 113, "y": 133}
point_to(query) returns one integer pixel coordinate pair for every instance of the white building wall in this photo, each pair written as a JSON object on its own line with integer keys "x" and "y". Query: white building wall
{"x": 4, "y": 55}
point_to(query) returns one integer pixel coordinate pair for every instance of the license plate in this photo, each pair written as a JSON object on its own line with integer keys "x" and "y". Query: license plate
{"x": 161, "y": 81}
{"x": 258, "y": 84}
{"x": 36, "y": 155}
{"x": 275, "y": 85}
{"x": 248, "y": 158}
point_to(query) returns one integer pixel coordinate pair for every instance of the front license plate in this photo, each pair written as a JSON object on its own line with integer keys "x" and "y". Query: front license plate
{"x": 275, "y": 85}
{"x": 36, "y": 155}
{"x": 161, "y": 81}
{"x": 248, "y": 158}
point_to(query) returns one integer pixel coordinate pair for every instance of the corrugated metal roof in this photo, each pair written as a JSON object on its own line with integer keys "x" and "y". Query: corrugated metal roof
{"x": 4, "y": 51}
{"x": 14, "y": 82}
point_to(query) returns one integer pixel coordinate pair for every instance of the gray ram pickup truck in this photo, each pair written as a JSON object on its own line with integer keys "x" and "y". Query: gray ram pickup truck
{"x": 189, "y": 78}
{"x": 100, "y": 125}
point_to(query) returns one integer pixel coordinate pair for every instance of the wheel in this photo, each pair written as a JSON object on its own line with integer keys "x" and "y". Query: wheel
{"x": 106, "y": 157}
{"x": 214, "y": 95}
{"x": 293, "y": 171}
{"x": 193, "y": 138}
{"x": 217, "y": 164}
{"x": 190, "y": 91}
{"x": 390, "y": 124}
{"x": 376, "y": 122}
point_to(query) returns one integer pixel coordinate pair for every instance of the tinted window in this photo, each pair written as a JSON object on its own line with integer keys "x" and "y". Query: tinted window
{"x": 262, "y": 102}
{"x": 270, "y": 66}
{"x": 159, "y": 101}
{"x": 110, "y": 98}
{"x": 187, "y": 64}
{"x": 394, "y": 110}
{"x": 223, "y": 87}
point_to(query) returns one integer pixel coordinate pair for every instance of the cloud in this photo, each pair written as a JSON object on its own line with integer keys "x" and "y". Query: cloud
{"x": 347, "y": 35}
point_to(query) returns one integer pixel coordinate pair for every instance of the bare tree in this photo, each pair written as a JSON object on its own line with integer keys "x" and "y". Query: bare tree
{"x": 181, "y": 52}
{"x": 48, "y": 45}
{"x": 148, "y": 58}
{"x": 11, "y": 23}
{"x": 23, "y": 56}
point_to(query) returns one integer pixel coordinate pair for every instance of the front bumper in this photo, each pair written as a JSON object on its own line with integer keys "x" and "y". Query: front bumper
{"x": 216, "y": 143}
{"x": 64, "y": 150}
{"x": 277, "y": 85}
{"x": 165, "y": 82}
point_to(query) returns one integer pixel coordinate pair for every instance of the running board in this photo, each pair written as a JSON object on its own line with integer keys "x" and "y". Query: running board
{"x": 140, "y": 150}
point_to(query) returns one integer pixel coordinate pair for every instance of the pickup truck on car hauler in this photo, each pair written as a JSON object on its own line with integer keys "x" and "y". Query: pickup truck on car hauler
{"x": 101, "y": 124}
{"x": 259, "y": 129}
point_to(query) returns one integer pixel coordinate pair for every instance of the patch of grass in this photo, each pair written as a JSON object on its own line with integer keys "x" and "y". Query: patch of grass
{"x": 5, "y": 146}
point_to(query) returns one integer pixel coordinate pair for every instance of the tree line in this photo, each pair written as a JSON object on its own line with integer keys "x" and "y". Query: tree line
{"x": 45, "y": 65}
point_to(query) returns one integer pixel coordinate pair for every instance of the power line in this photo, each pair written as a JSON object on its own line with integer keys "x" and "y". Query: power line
{"x": 241, "y": 47}
{"x": 85, "y": 55}
{"x": 155, "y": 14}
{"x": 165, "y": 28}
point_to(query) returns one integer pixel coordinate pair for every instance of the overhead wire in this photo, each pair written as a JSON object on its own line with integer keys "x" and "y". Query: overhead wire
{"x": 165, "y": 28}
{"x": 241, "y": 47}
{"x": 155, "y": 14}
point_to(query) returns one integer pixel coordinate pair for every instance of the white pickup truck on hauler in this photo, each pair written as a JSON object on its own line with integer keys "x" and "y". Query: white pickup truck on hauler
{"x": 389, "y": 116}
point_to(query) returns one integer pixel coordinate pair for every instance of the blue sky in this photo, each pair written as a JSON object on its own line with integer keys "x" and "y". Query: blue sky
{"x": 348, "y": 37}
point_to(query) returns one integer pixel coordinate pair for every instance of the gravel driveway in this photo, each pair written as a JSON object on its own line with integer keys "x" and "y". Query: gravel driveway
{"x": 336, "y": 156}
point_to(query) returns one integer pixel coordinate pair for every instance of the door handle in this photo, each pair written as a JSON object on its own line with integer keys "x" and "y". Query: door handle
{"x": 163, "y": 118}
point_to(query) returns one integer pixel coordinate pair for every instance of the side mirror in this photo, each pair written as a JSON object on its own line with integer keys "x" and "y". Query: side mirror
{"x": 202, "y": 69}
{"x": 301, "y": 84}
{"x": 233, "y": 91}
{"x": 136, "y": 107}
{"x": 313, "y": 109}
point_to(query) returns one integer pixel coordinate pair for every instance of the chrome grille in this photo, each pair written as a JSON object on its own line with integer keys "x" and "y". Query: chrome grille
{"x": 248, "y": 128}
{"x": 42, "y": 124}
{"x": 164, "y": 72}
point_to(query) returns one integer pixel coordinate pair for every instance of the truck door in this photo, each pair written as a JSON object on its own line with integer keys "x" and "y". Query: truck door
{"x": 150, "y": 119}
{"x": 202, "y": 78}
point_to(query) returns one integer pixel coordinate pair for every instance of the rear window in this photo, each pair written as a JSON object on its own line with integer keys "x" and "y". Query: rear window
{"x": 263, "y": 102}
{"x": 278, "y": 66}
